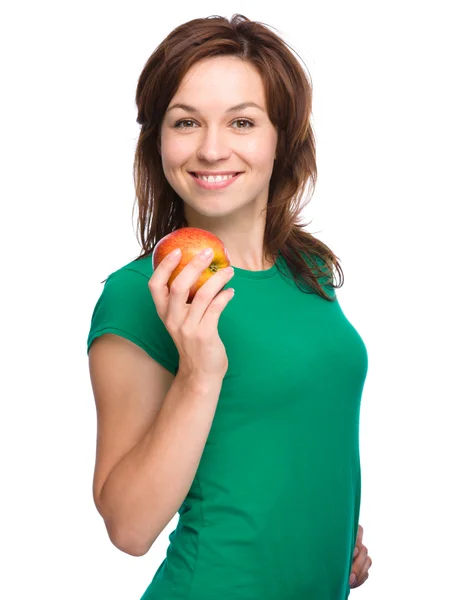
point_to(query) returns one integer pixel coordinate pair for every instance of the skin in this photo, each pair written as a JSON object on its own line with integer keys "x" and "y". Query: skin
{"x": 214, "y": 140}
{"x": 361, "y": 562}
{"x": 218, "y": 141}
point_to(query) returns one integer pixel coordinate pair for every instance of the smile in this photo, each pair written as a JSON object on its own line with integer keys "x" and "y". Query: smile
{"x": 214, "y": 183}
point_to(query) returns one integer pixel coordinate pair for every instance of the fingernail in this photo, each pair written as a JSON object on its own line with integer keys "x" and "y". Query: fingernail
{"x": 356, "y": 551}
{"x": 352, "y": 579}
{"x": 176, "y": 252}
{"x": 206, "y": 253}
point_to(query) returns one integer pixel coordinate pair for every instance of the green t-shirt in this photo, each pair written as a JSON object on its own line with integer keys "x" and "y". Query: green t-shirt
{"x": 272, "y": 513}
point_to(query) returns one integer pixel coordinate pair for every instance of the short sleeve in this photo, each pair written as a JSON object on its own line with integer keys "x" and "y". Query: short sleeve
{"x": 126, "y": 308}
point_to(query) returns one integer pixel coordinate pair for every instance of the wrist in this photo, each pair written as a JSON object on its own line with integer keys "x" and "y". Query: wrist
{"x": 198, "y": 381}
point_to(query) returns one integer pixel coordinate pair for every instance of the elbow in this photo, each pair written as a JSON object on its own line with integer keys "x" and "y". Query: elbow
{"x": 127, "y": 543}
{"x": 122, "y": 537}
{"x": 131, "y": 550}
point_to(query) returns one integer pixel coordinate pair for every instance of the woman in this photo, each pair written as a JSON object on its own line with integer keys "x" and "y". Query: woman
{"x": 242, "y": 414}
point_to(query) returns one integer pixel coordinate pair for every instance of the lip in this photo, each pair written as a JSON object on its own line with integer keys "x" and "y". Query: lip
{"x": 215, "y": 172}
{"x": 215, "y": 185}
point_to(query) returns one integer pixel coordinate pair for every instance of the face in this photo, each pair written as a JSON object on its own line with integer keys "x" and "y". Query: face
{"x": 214, "y": 138}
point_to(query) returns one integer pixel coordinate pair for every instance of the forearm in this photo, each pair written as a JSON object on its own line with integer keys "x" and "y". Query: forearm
{"x": 148, "y": 486}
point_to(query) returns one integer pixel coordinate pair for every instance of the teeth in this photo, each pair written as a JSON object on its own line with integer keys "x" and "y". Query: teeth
{"x": 213, "y": 179}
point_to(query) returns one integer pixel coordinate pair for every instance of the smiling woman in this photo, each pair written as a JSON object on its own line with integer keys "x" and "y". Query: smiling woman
{"x": 227, "y": 135}
{"x": 215, "y": 96}
{"x": 262, "y": 459}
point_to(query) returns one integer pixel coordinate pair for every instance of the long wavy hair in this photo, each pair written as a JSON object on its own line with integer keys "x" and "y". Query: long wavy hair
{"x": 288, "y": 94}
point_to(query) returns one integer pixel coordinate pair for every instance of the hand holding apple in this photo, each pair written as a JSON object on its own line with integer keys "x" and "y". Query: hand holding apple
{"x": 193, "y": 326}
{"x": 191, "y": 241}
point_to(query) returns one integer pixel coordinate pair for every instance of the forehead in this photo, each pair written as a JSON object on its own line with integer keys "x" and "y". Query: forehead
{"x": 226, "y": 79}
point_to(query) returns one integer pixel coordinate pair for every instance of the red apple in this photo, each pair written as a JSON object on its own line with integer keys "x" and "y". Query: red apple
{"x": 191, "y": 241}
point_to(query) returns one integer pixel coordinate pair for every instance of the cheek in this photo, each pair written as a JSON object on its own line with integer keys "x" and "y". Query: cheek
{"x": 174, "y": 152}
{"x": 259, "y": 152}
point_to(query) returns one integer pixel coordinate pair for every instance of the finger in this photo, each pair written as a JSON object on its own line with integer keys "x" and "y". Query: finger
{"x": 358, "y": 542}
{"x": 215, "y": 308}
{"x": 359, "y": 539}
{"x": 356, "y": 583}
{"x": 359, "y": 566}
{"x": 210, "y": 294}
{"x": 158, "y": 281}
{"x": 177, "y": 309}
{"x": 363, "y": 575}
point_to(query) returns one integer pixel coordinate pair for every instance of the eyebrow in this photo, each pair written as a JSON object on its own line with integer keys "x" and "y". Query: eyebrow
{"x": 229, "y": 110}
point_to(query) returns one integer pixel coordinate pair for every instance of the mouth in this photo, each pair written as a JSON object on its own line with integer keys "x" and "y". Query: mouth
{"x": 217, "y": 182}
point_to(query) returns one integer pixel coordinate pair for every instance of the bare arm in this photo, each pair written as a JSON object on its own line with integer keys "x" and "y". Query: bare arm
{"x": 152, "y": 431}
{"x": 147, "y": 487}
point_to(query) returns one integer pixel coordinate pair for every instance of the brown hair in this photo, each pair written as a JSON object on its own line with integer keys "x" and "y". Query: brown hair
{"x": 287, "y": 92}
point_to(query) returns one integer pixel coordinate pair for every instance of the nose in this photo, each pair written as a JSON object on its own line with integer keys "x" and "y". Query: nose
{"x": 213, "y": 145}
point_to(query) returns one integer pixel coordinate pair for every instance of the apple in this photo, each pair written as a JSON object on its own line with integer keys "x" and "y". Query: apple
{"x": 191, "y": 241}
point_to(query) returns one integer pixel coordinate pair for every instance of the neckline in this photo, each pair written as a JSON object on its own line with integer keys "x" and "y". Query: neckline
{"x": 264, "y": 274}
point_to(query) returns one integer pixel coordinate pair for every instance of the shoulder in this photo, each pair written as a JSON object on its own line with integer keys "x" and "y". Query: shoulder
{"x": 140, "y": 268}
{"x": 126, "y": 307}
{"x": 126, "y": 289}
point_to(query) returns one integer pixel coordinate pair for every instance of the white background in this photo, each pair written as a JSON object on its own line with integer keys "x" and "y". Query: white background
{"x": 384, "y": 101}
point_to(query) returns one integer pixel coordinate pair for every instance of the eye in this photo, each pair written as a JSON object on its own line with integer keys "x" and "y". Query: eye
{"x": 250, "y": 123}
{"x": 177, "y": 125}
{"x": 241, "y": 120}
